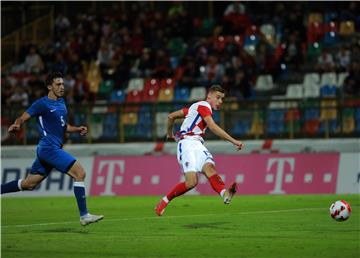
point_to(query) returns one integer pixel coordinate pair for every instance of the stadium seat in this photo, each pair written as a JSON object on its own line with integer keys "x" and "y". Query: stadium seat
{"x": 328, "y": 79}
{"x": 330, "y": 17}
{"x": 129, "y": 118}
{"x": 315, "y": 32}
{"x": 117, "y": 96}
{"x": 314, "y": 50}
{"x": 167, "y": 83}
{"x": 136, "y": 84}
{"x": 197, "y": 93}
{"x": 250, "y": 49}
{"x": 268, "y": 30}
{"x": 110, "y": 126}
{"x": 311, "y": 78}
{"x": 331, "y": 38}
{"x": 264, "y": 83}
{"x": 96, "y": 125}
{"x": 152, "y": 83}
{"x": 328, "y": 126}
{"x": 142, "y": 131}
{"x": 312, "y": 114}
{"x": 166, "y": 95}
{"x": 328, "y": 110}
{"x": 161, "y": 120}
{"x": 311, "y": 127}
{"x": 150, "y": 95}
{"x": 347, "y": 28}
{"x": 294, "y": 91}
{"x": 181, "y": 94}
{"x": 133, "y": 96}
{"x": 241, "y": 128}
{"x": 106, "y": 87}
{"x": 328, "y": 91}
{"x": 315, "y": 17}
{"x": 311, "y": 90}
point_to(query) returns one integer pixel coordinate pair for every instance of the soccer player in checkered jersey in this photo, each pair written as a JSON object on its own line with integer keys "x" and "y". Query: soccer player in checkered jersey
{"x": 192, "y": 155}
{"x": 50, "y": 112}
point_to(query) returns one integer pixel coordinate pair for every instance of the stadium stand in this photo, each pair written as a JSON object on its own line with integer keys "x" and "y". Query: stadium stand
{"x": 131, "y": 64}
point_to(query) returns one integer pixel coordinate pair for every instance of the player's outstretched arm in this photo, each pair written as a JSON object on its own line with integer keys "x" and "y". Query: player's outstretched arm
{"x": 74, "y": 129}
{"x": 15, "y": 127}
{"x": 221, "y": 133}
{"x": 170, "y": 122}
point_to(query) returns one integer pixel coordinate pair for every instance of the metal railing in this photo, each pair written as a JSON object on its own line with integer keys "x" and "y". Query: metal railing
{"x": 283, "y": 119}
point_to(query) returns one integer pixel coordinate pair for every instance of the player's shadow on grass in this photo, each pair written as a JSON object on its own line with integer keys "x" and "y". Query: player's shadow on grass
{"x": 65, "y": 230}
{"x": 205, "y": 225}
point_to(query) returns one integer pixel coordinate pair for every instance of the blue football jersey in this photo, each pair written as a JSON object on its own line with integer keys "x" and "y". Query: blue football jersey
{"x": 51, "y": 119}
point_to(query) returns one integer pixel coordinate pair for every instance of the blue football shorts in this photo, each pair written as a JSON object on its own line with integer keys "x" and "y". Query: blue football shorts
{"x": 49, "y": 158}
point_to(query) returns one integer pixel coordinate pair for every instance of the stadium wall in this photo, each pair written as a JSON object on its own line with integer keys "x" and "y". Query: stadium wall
{"x": 275, "y": 167}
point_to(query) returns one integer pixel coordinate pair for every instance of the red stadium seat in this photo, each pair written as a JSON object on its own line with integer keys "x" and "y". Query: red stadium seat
{"x": 167, "y": 83}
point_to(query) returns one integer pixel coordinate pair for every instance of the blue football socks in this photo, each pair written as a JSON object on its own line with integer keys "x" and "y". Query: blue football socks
{"x": 13, "y": 186}
{"x": 79, "y": 191}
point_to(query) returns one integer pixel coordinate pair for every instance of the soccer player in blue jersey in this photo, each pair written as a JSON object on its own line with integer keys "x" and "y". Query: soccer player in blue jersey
{"x": 50, "y": 112}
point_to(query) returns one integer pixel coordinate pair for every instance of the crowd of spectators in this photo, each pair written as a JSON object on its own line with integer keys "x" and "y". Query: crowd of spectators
{"x": 142, "y": 42}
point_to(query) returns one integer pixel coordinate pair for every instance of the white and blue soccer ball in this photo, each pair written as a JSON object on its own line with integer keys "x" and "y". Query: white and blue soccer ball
{"x": 340, "y": 210}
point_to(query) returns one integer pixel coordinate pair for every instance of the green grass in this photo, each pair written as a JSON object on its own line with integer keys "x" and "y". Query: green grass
{"x": 192, "y": 226}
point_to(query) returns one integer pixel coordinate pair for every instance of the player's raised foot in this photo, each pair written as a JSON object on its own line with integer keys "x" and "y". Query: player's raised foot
{"x": 90, "y": 218}
{"x": 229, "y": 193}
{"x": 160, "y": 207}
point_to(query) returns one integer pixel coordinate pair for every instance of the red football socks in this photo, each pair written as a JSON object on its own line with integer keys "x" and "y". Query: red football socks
{"x": 217, "y": 183}
{"x": 178, "y": 190}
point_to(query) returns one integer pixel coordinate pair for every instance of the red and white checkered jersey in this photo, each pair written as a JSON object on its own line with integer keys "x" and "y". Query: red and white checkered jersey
{"x": 194, "y": 125}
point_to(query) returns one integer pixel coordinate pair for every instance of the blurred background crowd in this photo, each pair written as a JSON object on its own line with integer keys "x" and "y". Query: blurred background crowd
{"x": 108, "y": 52}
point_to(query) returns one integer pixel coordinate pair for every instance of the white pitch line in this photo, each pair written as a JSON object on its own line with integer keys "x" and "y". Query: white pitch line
{"x": 165, "y": 217}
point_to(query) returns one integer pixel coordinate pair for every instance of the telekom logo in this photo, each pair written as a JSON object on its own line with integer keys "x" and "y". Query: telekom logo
{"x": 110, "y": 173}
{"x": 279, "y": 176}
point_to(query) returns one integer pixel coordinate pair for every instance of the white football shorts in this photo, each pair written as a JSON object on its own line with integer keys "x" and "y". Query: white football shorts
{"x": 192, "y": 155}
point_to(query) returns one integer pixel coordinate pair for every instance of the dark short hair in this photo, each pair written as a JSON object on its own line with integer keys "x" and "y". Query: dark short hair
{"x": 216, "y": 88}
{"x": 51, "y": 76}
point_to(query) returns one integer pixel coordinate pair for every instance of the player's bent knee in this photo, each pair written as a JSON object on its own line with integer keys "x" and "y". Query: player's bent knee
{"x": 80, "y": 175}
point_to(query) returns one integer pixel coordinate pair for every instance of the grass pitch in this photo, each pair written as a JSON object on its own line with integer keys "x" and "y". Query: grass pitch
{"x": 192, "y": 226}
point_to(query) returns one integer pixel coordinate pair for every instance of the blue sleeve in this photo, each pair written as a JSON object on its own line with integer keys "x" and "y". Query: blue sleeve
{"x": 37, "y": 108}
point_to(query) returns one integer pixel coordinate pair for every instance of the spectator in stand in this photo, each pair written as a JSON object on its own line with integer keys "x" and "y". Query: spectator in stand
{"x": 343, "y": 59}
{"x": 74, "y": 63}
{"x": 293, "y": 54}
{"x": 105, "y": 56}
{"x": 214, "y": 70}
{"x": 235, "y": 7}
{"x": 81, "y": 89}
{"x": 33, "y": 62}
{"x": 235, "y": 18}
{"x": 145, "y": 64}
{"x": 62, "y": 23}
{"x": 190, "y": 73}
{"x": 60, "y": 64}
{"x": 325, "y": 62}
{"x": 19, "y": 97}
{"x": 69, "y": 84}
{"x": 242, "y": 86}
{"x": 162, "y": 65}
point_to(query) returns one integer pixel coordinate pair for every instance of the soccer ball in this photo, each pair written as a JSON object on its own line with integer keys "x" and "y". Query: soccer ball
{"x": 340, "y": 210}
